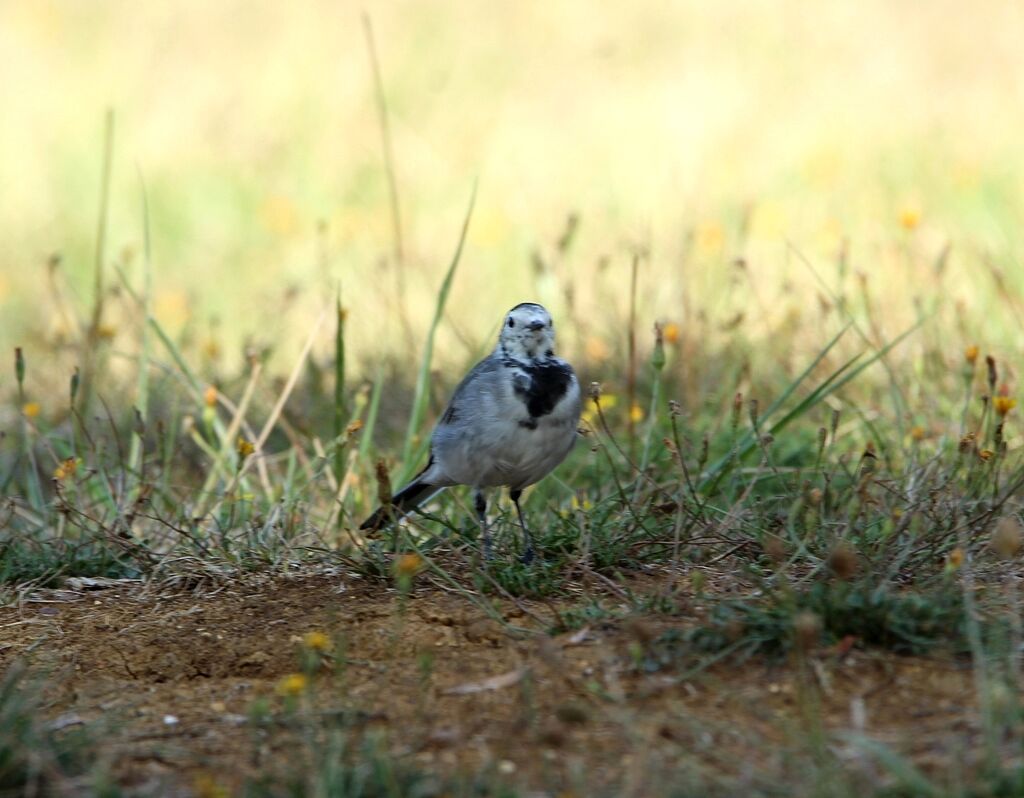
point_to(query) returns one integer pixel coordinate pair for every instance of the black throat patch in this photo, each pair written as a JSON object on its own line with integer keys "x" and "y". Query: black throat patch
{"x": 549, "y": 381}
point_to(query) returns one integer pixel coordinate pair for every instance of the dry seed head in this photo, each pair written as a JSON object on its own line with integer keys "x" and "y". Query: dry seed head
{"x": 594, "y": 392}
{"x": 753, "y": 413}
{"x": 737, "y": 406}
{"x": 572, "y": 714}
{"x": 985, "y": 455}
{"x": 774, "y": 548}
{"x": 658, "y": 355}
{"x": 640, "y": 630}
{"x": 993, "y": 374}
{"x": 868, "y": 460}
{"x": 353, "y": 427}
{"x": 383, "y": 483}
{"x": 966, "y": 443}
{"x": 842, "y": 560}
{"x": 1007, "y": 537}
{"x": 19, "y": 366}
{"x": 814, "y": 496}
{"x": 674, "y": 408}
{"x": 734, "y": 629}
{"x": 551, "y": 735}
{"x": 806, "y": 630}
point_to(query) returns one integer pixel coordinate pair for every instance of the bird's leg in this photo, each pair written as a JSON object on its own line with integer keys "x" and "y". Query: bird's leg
{"x": 480, "y": 503}
{"x": 527, "y": 556}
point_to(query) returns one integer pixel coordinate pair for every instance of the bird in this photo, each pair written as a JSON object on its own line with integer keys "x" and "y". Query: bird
{"x": 510, "y": 422}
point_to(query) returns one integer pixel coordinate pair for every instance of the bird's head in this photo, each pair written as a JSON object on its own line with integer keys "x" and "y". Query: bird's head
{"x": 527, "y": 333}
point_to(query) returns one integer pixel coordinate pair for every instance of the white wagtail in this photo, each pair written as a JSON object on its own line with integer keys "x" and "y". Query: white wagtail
{"x": 509, "y": 423}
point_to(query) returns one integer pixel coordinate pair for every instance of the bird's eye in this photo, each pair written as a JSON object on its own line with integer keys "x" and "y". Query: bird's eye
{"x": 511, "y": 322}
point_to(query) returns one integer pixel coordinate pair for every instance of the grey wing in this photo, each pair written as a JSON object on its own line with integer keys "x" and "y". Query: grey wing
{"x": 482, "y": 379}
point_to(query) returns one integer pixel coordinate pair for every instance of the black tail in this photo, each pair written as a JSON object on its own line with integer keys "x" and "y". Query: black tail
{"x": 408, "y": 498}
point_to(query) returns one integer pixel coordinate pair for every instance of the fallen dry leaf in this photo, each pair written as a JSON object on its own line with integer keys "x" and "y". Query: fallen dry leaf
{"x": 493, "y": 683}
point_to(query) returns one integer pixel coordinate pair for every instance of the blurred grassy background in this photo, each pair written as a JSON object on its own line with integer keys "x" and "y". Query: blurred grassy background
{"x": 697, "y": 132}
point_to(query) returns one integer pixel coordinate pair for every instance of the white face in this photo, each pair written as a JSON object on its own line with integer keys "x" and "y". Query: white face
{"x": 527, "y": 333}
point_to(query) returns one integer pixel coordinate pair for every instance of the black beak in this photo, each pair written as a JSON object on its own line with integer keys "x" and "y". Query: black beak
{"x": 533, "y": 326}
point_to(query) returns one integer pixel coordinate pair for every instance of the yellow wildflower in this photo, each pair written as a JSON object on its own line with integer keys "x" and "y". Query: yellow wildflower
{"x": 245, "y": 448}
{"x": 579, "y": 503}
{"x": 596, "y": 349}
{"x": 206, "y": 786}
{"x": 636, "y": 413}
{"x": 106, "y": 331}
{"x": 710, "y": 238}
{"x": 955, "y": 559}
{"x": 971, "y": 354}
{"x": 210, "y": 396}
{"x": 671, "y": 332}
{"x": 917, "y": 433}
{"x": 608, "y": 401}
{"x": 211, "y": 349}
{"x": 317, "y": 641}
{"x": 292, "y": 685}
{"x": 1003, "y": 404}
{"x": 986, "y": 454}
{"x": 354, "y": 427}
{"x": 408, "y": 565}
{"x": 279, "y": 215}
{"x": 30, "y": 409}
{"x": 910, "y": 218}
{"x": 67, "y": 468}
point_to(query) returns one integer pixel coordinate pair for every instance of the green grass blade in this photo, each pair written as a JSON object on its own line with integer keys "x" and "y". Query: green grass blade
{"x": 836, "y": 380}
{"x": 339, "y": 388}
{"x": 371, "y": 417}
{"x": 419, "y": 402}
{"x": 747, "y": 441}
{"x": 142, "y": 383}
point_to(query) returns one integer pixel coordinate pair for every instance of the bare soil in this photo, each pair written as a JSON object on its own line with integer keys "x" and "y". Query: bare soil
{"x": 171, "y": 678}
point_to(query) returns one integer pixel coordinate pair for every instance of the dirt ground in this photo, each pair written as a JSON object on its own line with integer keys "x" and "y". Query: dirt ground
{"x": 171, "y": 676}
